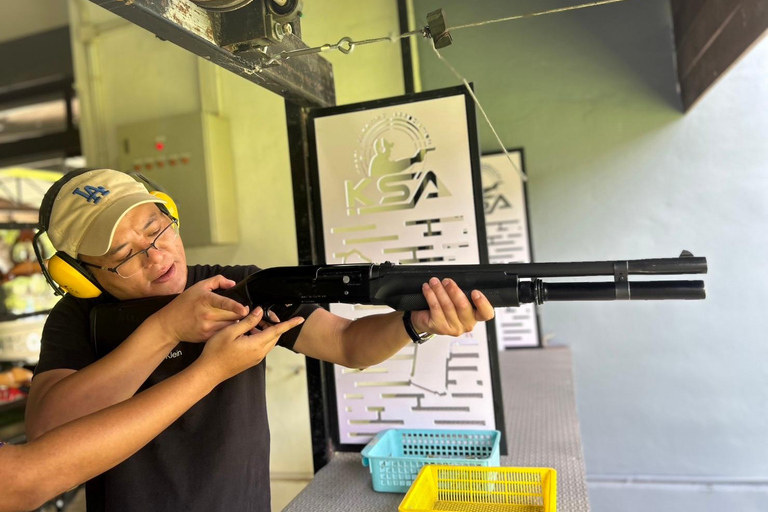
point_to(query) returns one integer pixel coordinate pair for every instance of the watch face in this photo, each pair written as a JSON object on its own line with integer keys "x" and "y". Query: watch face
{"x": 424, "y": 337}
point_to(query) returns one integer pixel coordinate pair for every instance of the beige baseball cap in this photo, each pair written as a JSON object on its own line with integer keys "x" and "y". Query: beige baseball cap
{"x": 88, "y": 208}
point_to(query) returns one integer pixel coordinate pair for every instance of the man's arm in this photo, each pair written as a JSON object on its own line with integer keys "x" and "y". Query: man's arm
{"x": 82, "y": 449}
{"x": 373, "y": 339}
{"x": 62, "y": 395}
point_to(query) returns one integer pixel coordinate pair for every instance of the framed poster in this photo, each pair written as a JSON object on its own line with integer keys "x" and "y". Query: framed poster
{"x": 399, "y": 180}
{"x": 505, "y": 204}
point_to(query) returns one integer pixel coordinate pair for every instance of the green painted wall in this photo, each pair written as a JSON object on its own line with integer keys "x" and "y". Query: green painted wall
{"x": 675, "y": 391}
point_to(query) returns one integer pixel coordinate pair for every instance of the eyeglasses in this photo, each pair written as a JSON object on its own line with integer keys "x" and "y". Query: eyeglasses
{"x": 132, "y": 265}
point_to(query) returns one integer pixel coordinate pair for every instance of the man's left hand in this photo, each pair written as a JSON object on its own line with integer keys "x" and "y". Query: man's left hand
{"x": 450, "y": 312}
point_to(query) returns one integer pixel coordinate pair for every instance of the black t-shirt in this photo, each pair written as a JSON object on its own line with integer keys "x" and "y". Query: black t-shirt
{"x": 215, "y": 457}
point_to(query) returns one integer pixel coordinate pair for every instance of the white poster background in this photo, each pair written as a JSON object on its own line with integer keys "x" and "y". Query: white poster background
{"x": 506, "y": 226}
{"x": 396, "y": 185}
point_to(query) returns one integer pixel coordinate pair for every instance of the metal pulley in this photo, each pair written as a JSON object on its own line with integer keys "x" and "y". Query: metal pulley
{"x": 285, "y": 10}
{"x": 250, "y": 25}
{"x": 221, "y": 5}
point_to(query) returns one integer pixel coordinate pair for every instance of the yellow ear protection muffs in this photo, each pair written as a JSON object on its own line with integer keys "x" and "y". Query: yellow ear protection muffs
{"x": 169, "y": 208}
{"x": 64, "y": 273}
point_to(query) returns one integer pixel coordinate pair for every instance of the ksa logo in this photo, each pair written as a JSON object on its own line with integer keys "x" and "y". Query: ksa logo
{"x": 392, "y": 157}
{"x": 493, "y": 198}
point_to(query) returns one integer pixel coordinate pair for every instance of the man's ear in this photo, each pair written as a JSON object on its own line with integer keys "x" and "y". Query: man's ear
{"x": 89, "y": 271}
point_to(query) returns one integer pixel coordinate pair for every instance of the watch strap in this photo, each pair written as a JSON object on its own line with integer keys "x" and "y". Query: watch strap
{"x": 415, "y": 336}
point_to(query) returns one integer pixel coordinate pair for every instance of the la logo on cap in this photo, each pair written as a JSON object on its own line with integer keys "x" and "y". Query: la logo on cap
{"x": 92, "y": 194}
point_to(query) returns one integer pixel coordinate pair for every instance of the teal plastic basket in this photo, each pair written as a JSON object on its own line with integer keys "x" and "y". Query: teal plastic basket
{"x": 396, "y": 456}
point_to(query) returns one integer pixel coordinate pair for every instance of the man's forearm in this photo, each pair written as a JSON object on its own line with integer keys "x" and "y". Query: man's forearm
{"x": 82, "y": 449}
{"x": 373, "y": 339}
{"x": 109, "y": 380}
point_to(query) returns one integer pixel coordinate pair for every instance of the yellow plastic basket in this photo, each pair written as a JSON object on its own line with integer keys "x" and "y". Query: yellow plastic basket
{"x": 481, "y": 489}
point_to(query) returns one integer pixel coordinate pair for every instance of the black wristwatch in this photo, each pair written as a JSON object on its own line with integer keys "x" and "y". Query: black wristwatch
{"x": 415, "y": 336}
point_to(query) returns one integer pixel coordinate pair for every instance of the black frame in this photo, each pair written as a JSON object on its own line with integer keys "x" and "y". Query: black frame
{"x": 320, "y": 375}
{"x": 405, "y": 47}
{"x": 530, "y": 235}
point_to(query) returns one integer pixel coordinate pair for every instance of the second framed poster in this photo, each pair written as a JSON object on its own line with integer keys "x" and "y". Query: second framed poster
{"x": 505, "y": 203}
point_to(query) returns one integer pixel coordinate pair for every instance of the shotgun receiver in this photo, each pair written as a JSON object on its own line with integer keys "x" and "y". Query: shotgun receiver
{"x": 399, "y": 286}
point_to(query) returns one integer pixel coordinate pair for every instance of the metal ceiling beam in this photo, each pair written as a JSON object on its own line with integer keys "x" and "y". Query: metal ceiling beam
{"x": 306, "y": 81}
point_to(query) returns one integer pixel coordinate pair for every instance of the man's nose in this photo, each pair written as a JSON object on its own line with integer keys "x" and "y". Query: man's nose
{"x": 155, "y": 255}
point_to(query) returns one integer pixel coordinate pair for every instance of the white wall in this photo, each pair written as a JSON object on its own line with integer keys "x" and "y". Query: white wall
{"x": 674, "y": 391}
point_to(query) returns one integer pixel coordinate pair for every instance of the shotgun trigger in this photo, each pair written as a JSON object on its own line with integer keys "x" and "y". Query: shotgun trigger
{"x": 267, "y": 310}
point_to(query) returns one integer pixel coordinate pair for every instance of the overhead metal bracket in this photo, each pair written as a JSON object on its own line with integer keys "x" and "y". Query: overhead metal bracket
{"x": 307, "y": 81}
{"x": 437, "y": 29}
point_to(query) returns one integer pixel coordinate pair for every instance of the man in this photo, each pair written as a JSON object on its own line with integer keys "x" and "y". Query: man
{"x": 216, "y": 457}
{"x": 71, "y": 454}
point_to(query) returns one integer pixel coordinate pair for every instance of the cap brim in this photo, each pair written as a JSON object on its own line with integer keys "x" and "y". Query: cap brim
{"x": 98, "y": 236}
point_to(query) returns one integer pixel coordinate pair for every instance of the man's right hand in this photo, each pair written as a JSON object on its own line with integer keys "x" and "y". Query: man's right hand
{"x": 198, "y": 313}
{"x": 242, "y": 345}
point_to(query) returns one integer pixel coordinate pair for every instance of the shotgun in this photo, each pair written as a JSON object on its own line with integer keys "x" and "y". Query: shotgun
{"x": 399, "y": 287}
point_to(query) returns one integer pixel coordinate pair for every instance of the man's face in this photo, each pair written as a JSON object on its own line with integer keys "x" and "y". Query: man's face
{"x": 165, "y": 269}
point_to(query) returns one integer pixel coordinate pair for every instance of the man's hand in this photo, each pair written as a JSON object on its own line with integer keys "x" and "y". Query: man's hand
{"x": 198, "y": 313}
{"x": 450, "y": 312}
{"x": 242, "y": 345}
